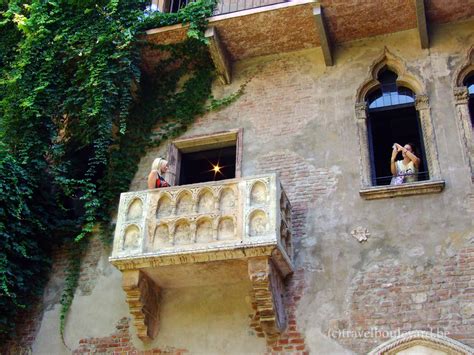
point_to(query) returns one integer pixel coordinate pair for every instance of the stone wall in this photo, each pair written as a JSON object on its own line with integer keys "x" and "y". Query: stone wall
{"x": 415, "y": 271}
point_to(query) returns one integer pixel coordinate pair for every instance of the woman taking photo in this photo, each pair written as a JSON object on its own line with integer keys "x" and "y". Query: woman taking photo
{"x": 406, "y": 169}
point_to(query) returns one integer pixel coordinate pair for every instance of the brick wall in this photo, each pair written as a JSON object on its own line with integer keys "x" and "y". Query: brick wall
{"x": 89, "y": 271}
{"x": 292, "y": 341}
{"x": 302, "y": 182}
{"x": 119, "y": 343}
{"x": 29, "y": 321}
{"x": 391, "y": 298}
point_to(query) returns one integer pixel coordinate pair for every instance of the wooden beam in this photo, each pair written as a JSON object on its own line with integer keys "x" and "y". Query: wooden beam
{"x": 323, "y": 37}
{"x": 219, "y": 55}
{"x": 422, "y": 24}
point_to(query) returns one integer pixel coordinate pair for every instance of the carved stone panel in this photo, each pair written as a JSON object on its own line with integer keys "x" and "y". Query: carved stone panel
{"x": 184, "y": 205}
{"x": 206, "y": 202}
{"x": 227, "y": 200}
{"x": 258, "y": 223}
{"x": 258, "y": 193}
{"x": 135, "y": 210}
{"x": 161, "y": 237}
{"x": 226, "y": 229}
{"x": 182, "y": 233}
{"x": 204, "y": 231}
{"x": 131, "y": 238}
{"x": 165, "y": 207}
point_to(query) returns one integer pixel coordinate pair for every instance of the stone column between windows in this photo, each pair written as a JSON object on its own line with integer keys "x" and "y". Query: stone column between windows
{"x": 364, "y": 163}
{"x": 461, "y": 100}
{"x": 429, "y": 140}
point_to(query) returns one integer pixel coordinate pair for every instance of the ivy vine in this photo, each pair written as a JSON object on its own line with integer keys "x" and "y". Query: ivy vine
{"x": 75, "y": 118}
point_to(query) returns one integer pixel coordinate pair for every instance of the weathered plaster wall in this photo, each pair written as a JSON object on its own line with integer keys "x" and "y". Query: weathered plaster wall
{"x": 414, "y": 272}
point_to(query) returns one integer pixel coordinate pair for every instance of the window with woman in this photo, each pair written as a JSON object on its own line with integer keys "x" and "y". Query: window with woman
{"x": 395, "y": 137}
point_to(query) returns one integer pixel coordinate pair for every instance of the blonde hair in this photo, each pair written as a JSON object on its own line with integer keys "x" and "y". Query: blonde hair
{"x": 158, "y": 164}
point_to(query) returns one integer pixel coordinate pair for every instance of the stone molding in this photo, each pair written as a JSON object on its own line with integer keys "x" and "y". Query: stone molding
{"x": 461, "y": 95}
{"x": 389, "y": 191}
{"x": 394, "y": 63}
{"x": 388, "y": 59}
{"x": 461, "y": 101}
{"x": 247, "y": 219}
{"x": 466, "y": 67}
{"x": 424, "y": 338}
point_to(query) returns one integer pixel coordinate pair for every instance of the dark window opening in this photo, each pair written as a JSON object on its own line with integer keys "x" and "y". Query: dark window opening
{"x": 392, "y": 119}
{"x": 175, "y": 5}
{"x": 202, "y": 166}
{"x": 469, "y": 82}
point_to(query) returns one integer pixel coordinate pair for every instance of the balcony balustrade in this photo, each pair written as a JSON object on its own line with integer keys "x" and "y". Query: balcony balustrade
{"x": 223, "y": 6}
{"x": 202, "y": 234}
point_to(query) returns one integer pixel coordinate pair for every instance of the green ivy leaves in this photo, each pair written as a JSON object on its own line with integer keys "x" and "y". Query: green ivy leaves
{"x": 72, "y": 133}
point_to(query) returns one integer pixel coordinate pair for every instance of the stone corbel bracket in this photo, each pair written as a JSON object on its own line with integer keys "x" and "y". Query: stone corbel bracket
{"x": 219, "y": 55}
{"x": 323, "y": 35}
{"x": 143, "y": 297}
{"x": 269, "y": 319}
{"x": 422, "y": 24}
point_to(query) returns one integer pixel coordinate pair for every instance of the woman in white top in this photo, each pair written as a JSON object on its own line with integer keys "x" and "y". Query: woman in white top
{"x": 406, "y": 169}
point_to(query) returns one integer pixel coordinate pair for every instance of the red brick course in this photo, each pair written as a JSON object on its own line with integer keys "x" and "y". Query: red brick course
{"x": 29, "y": 321}
{"x": 399, "y": 298}
{"x": 119, "y": 344}
{"x": 89, "y": 272}
{"x": 292, "y": 341}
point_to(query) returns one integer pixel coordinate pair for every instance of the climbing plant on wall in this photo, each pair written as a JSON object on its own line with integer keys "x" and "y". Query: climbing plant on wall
{"x": 75, "y": 118}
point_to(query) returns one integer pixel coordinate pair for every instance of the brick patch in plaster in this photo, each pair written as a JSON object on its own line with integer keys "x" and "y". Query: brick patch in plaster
{"x": 89, "y": 272}
{"x": 263, "y": 104}
{"x": 29, "y": 321}
{"x": 302, "y": 182}
{"x": 291, "y": 341}
{"x": 120, "y": 343}
{"x": 391, "y": 297}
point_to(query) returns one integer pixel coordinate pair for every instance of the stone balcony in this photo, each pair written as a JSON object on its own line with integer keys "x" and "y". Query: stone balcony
{"x": 204, "y": 234}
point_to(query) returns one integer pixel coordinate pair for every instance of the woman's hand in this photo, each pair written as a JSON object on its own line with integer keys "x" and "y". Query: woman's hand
{"x": 398, "y": 147}
{"x": 395, "y": 151}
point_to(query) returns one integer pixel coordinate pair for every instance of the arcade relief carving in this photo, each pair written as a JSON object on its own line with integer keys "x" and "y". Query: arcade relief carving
{"x": 135, "y": 210}
{"x": 131, "y": 239}
{"x": 258, "y": 223}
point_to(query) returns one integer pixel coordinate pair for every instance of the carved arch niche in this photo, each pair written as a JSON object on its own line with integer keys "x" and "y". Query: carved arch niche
{"x": 404, "y": 78}
{"x": 461, "y": 101}
{"x": 135, "y": 209}
{"x": 422, "y": 342}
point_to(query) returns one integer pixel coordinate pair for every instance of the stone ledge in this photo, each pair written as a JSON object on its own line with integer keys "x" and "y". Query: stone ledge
{"x": 273, "y": 250}
{"x": 417, "y": 188}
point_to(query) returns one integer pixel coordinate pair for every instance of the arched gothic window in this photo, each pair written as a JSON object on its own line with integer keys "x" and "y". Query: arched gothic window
{"x": 392, "y": 118}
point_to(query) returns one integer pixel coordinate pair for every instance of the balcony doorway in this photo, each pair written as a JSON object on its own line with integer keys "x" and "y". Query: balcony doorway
{"x": 206, "y": 158}
{"x": 208, "y": 165}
